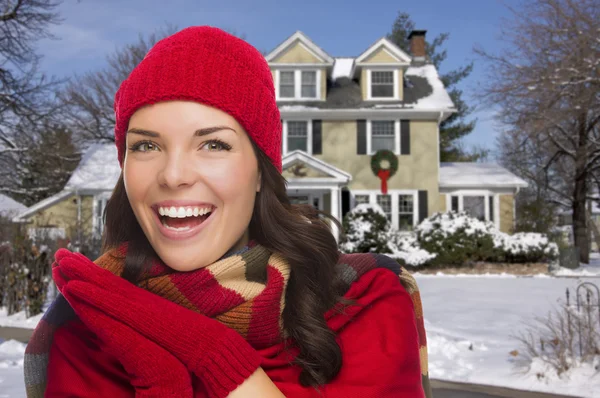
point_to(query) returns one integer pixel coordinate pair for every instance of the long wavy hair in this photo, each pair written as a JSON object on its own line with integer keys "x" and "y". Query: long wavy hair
{"x": 300, "y": 233}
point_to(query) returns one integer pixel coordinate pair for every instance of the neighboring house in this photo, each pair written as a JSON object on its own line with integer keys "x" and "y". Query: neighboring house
{"x": 337, "y": 113}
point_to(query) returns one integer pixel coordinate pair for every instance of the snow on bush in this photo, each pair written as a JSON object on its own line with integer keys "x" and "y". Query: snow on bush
{"x": 369, "y": 231}
{"x": 457, "y": 238}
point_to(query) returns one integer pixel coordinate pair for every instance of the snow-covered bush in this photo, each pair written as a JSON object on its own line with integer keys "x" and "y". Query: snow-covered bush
{"x": 456, "y": 238}
{"x": 367, "y": 230}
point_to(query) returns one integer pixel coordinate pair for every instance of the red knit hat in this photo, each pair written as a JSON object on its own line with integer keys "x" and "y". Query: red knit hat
{"x": 212, "y": 67}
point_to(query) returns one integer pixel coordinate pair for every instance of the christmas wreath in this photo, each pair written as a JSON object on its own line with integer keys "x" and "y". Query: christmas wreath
{"x": 384, "y": 165}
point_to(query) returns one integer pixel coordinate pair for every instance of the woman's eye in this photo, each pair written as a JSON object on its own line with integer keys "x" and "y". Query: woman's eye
{"x": 216, "y": 146}
{"x": 144, "y": 146}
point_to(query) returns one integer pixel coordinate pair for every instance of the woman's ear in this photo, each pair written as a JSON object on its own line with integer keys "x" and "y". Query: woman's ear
{"x": 259, "y": 182}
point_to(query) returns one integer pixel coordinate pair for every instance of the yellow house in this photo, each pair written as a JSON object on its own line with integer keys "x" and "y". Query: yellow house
{"x": 337, "y": 113}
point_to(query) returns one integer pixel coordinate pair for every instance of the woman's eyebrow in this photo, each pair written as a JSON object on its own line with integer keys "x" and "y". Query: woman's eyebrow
{"x": 197, "y": 133}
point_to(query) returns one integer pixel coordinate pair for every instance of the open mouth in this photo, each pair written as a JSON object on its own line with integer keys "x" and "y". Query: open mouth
{"x": 184, "y": 218}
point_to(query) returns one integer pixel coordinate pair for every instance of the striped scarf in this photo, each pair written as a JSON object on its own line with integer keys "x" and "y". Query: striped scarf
{"x": 243, "y": 290}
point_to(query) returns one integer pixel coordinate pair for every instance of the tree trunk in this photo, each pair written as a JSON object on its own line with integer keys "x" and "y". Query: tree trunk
{"x": 580, "y": 230}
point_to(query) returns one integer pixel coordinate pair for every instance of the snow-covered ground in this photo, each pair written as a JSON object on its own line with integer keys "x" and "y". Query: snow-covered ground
{"x": 481, "y": 312}
{"x": 591, "y": 269}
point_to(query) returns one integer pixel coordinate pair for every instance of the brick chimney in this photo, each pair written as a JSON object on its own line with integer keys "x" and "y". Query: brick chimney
{"x": 417, "y": 44}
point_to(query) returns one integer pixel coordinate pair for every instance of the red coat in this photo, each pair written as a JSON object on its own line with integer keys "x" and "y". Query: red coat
{"x": 378, "y": 339}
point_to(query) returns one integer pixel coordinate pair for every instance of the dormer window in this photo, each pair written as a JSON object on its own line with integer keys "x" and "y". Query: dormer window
{"x": 298, "y": 84}
{"x": 383, "y": 84}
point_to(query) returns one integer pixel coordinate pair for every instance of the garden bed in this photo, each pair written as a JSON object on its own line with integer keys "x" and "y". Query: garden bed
{"x": 482, "y": 268}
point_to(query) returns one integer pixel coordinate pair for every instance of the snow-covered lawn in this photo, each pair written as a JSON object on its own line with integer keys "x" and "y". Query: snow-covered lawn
{"x": 483, "y": 313}
{"x": 591, "y": 269}
{"x": 460, "y": 312}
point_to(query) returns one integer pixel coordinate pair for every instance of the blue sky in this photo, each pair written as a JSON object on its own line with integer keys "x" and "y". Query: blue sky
{"x": 94, "y": 28}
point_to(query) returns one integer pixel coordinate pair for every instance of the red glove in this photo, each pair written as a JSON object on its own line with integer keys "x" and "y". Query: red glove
{"x": 218, "y": 355}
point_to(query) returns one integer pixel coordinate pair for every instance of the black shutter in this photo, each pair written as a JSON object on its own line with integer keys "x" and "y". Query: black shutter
{"x": 361, "y": 137}
{"x": 454, "y": 204}
{"x": 317, "y": 137}
{"x": 404, "y": 137}
{"x": 491, "y": 208}
{"x": 345, "y": 201}
{"x": 423, "y": 206}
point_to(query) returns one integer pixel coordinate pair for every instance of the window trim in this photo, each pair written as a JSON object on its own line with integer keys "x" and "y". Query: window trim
{"x": 309, "y": 134}
{"x": 486, "y": 194}
{"x": 395, "y": 97}
{"x": 394, "y": 193}
{"x": 396, "y": 135}
{"x": 298, "y": 84}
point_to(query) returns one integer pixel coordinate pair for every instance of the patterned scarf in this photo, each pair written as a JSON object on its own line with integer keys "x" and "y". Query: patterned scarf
{"x": 243, "y": 290}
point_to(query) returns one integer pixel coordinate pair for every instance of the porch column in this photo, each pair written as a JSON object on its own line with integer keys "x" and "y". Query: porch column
{"x": 335, "y": 210}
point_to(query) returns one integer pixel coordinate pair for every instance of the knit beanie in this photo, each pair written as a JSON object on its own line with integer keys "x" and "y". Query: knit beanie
{"x": 208, "y": 66}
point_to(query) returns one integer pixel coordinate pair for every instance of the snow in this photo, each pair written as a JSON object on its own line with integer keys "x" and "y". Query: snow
{"x": 484, "y": 312}
{"x": 477, "y": 175}
{"x": 342, "y": 67}
{"x": 10, "y": 207}
{"x": 11, "y": 369}
{"x": 591, "y": 269}
{"x": 407, "y": 248}
{"x": 98, "y": 170}
{"x": 439, "y": 98}
{"x": 18, "y": 320}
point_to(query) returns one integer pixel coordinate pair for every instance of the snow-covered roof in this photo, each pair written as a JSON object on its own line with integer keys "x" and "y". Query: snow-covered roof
{"x": 99, "y": 170}
{"x": 10, "y": 207}
{"x": 342, "y": 67}
{"x": 477, "y": 175}
{"x": 59, "y": 197}
{"x": 439, "y": 98}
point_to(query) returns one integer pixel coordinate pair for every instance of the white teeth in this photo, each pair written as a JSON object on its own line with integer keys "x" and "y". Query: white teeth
{"x": 183, "y": 212}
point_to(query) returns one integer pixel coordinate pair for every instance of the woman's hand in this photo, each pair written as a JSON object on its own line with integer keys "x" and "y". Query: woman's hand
{"x": 218, "y": 355}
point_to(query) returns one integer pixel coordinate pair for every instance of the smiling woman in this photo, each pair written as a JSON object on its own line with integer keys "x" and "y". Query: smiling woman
{"x": 211, "y": 283}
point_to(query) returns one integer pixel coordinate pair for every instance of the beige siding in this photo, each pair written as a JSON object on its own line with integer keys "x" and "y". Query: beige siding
{"x": 507, "y": 213}
{"x": 442, "y": 204}
{"x": 417, "y": 171}
{"x": 297, "y": 54}
{"x": 381, "y": 56}
{"x": 364, "y": 82}
{"x": 64, "y": 215}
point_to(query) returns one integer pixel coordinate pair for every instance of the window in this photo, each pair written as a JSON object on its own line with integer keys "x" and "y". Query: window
{"x": 100, "y": 205}
{"x": 383, "y": 135}
{"x": 309, "y": 84}
{"x": 474, "y": 206}
{"x": 405, "y": 212}
{"x": 297, "y": 136}
{"x": 287, "y": 87}
{"x": 361, "y": 199}
{"x": 382, "y": 84}
{"x": 385, "y": 202}
{"x": 454, "y": 203}
{"x": 299, "y": 199}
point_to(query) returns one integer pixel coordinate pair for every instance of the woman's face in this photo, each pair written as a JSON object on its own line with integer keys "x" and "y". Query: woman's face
{"x": 191, "y": 177}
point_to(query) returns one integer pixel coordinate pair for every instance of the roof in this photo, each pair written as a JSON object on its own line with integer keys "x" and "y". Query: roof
{"x": 98, "y": 170}
{"x": 10, "y": 207}
{"x": 477, "y": 175}
{"x": 423, "y": 90}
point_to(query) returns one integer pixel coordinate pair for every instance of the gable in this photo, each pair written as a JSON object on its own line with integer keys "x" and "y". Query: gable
{"x": 381, "y": 56}
{"x": 297, "y": 53}
{"x": 300, "y": 169}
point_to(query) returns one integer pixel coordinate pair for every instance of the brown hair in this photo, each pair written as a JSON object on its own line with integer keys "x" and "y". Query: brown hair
{"x": 300, "y": 233}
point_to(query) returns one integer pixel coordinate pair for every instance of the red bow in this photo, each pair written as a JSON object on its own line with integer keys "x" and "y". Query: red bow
{"x": 384, "y": 174}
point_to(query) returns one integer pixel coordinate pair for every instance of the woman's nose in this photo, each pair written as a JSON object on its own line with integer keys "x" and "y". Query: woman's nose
{"x": 176, "y": 172}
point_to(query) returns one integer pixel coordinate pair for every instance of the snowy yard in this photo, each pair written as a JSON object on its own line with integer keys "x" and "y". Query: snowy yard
{"x": 484, "y": 312}
{"x": 460, "y": 311}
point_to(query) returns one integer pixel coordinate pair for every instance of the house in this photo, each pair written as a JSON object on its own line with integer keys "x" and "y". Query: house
{"x": 337, "y": 113}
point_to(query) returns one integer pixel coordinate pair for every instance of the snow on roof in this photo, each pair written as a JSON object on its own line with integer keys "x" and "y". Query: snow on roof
{"x": 439, "y": 98}
{"x": 477, "y": 175}
{"x": 342, "y": 68}
{"x": 99, "y": 169}
{"x": 10, "y": 207}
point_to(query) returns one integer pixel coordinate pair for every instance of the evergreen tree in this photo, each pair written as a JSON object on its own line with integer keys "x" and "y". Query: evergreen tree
{"x": 455, "y": 127}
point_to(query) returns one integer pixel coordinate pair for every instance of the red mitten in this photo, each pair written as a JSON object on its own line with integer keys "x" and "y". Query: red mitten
{"x": 218, "y": 355}
{"x": 154, "y": 372}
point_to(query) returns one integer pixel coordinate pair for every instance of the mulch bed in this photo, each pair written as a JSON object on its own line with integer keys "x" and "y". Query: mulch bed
{"x": 486, "y": 268}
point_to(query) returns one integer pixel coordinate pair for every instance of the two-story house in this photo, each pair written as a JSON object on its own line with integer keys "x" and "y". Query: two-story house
{"x": 336, "y": 114}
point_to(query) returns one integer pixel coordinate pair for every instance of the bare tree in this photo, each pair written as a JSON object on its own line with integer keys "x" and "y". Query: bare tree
{"x": 88, "y": 99}
{"x": 547, "y": 85}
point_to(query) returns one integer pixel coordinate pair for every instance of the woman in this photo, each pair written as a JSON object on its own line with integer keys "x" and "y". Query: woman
{"x": 211, "y": 283}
